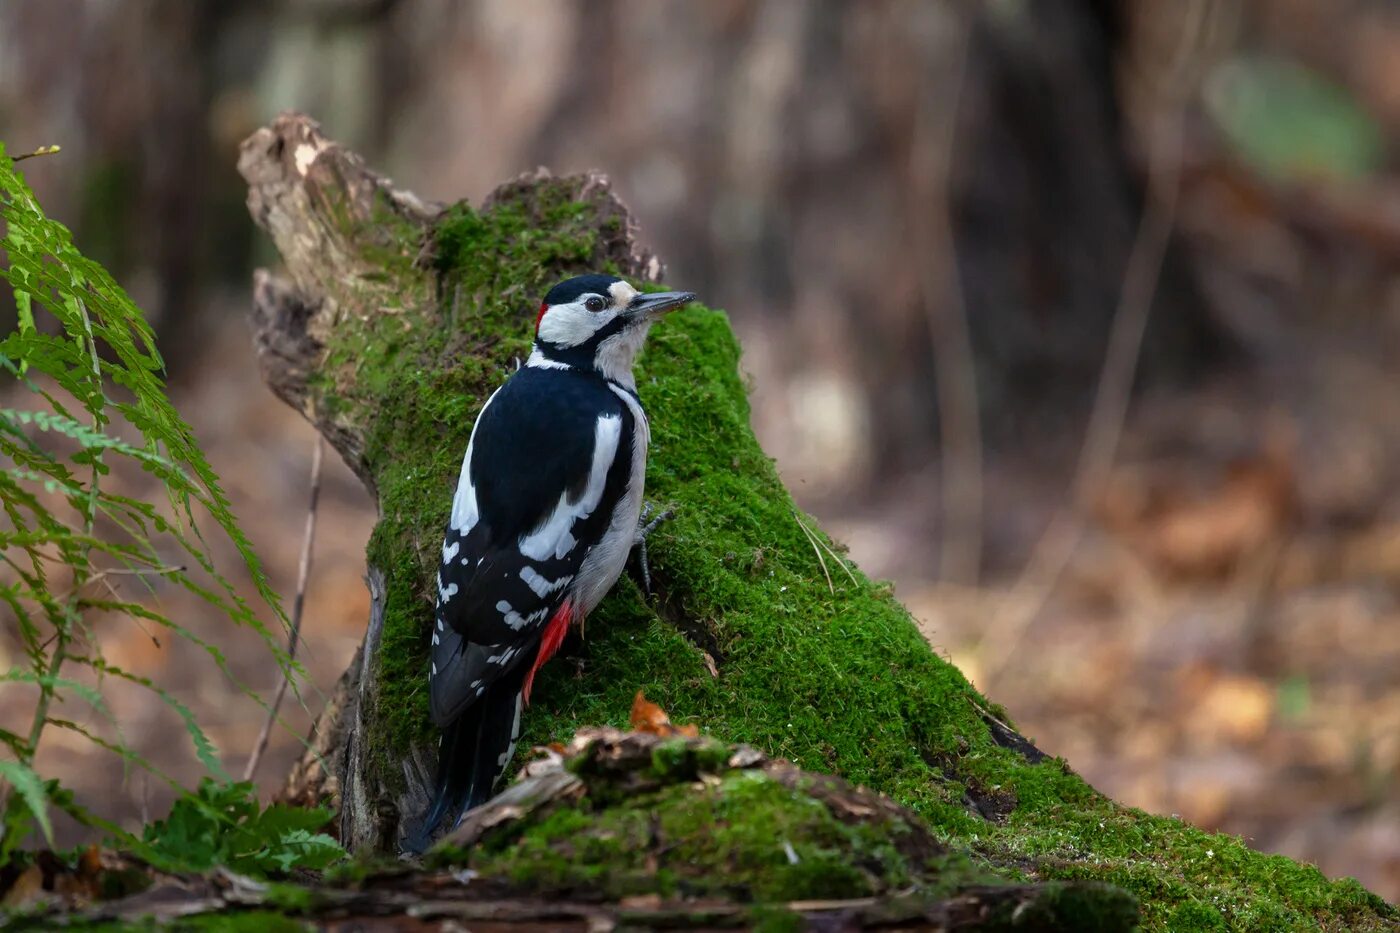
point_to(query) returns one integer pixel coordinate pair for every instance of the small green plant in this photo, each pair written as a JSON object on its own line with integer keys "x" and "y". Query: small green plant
{"x": 222, "y": 824}
{"x": 83, "y": 359}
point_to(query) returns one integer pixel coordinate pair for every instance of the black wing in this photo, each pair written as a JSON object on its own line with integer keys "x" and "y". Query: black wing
{"x": 546, "y": 465}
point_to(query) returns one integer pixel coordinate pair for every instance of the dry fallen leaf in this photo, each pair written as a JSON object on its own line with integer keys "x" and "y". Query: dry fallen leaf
{"x": 27, "y": 890}
{"x": 652, "y": 719}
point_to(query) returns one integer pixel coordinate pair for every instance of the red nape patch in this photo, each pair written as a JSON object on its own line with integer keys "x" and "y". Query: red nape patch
{"x": 540, "y": 317}
{"x": 550, "y": 641}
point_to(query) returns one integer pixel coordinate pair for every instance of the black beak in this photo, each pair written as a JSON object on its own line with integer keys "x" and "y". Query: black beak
{"x": 655, "y": 304}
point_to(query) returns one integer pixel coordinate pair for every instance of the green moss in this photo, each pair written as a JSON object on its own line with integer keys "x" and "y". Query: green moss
{"x": 288, "y": 897}
{"x": 251, "y": 921}
{"x": 772, "y": 918}
{"x": 744, "y": 836}
{"x": 1192, "y": 916}
{"x": 1071, "y": 907}
{"x": 835, "y": 678}
{"x": 231, "y": 921}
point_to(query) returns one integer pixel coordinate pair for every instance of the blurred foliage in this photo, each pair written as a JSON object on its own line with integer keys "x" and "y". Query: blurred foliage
{"x": 1290, "y": 122}
{"x": 222, "y": 824}
{"x": 87, "y": 357}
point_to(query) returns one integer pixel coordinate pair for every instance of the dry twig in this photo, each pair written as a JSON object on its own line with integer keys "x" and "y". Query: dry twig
{"x": 303, "y": 572}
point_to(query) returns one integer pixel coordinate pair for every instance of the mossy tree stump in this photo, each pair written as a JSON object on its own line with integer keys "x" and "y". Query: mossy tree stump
{"x": 395, "y": 320}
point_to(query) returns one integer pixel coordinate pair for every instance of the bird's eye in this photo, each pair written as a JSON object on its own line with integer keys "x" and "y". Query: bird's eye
{"x": 594, "y": 304}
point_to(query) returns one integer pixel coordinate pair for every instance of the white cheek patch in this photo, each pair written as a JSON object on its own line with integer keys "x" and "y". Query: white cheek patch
{"x": 572, "y": 324}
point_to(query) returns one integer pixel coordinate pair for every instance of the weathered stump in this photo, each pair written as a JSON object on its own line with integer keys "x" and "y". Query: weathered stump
{"x": 396, "y": 318}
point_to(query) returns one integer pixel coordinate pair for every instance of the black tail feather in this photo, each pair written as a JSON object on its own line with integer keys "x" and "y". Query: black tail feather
{"x": 474, "y": 752}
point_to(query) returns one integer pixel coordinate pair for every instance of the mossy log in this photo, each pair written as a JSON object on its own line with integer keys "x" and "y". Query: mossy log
{"x": 628, "y": 831}
{"x": 394, "y": 320}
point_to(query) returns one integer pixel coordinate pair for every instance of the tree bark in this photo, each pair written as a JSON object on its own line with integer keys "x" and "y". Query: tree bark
{"x": 392, "y": 322}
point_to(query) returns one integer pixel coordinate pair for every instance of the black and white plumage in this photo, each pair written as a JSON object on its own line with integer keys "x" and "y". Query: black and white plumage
{"x": 545, "y": 514}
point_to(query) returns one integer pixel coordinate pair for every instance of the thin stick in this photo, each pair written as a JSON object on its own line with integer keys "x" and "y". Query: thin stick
{"x": 1057, "y": 546}
{"x": 41, "y": 151}
{"x": 840, "y": 561}
{"x": 811, "y": 539}
{"x": 303, "y": 572}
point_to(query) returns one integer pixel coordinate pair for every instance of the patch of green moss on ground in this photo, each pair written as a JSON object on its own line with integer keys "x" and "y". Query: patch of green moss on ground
{"x": 835, "y": 677}
{"x": 744, "y": 836}
{"x": 252, "y": 921}
{"x": 232, "y": 921}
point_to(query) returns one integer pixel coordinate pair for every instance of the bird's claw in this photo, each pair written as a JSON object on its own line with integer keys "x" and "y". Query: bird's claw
{"x": 646, "y": 524}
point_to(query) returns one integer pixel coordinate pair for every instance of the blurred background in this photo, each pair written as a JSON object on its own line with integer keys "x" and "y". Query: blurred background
{"x": 1077, "y": 319}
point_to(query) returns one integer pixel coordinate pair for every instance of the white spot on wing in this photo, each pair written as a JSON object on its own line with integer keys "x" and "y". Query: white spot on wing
{"x": 552, "y": 539}
{"x": 449, "y": 551}
{"x": 504, "y": 657}
{"x": 516, "y": 621}
{"x": 540, "y": 585}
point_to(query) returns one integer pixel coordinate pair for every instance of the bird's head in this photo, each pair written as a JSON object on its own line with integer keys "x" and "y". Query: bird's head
{"x": 598, "y": 322}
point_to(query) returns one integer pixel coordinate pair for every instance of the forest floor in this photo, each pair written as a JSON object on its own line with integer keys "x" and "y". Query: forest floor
{"x": 1222, "y": 644}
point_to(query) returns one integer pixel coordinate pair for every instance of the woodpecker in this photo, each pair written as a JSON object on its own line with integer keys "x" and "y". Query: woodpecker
{"x": 547, "y": 509}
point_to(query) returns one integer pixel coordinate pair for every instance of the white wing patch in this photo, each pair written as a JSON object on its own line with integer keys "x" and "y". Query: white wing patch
{"x": 552, "y": 539}
{"x": 450, "y": 551}
{"x": 464, "y": 511}
{"x": 540, "y": 585}
{"x": 445, "y": 593}
{"x": 504, "y": 657}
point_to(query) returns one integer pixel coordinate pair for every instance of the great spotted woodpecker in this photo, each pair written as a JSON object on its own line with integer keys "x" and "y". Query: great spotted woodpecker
{"x": 547, "y": 509}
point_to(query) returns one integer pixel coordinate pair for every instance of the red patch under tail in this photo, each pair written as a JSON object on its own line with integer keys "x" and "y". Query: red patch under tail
{"x": 550, "y": 641}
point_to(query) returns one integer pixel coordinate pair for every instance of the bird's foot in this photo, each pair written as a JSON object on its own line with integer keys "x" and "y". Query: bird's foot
{"x": 646, "y": 524}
